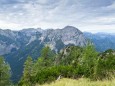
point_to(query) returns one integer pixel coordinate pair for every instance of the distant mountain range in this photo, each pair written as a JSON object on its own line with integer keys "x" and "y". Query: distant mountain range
{"x": 15, "y": 46}
{"x": 102, "y": 41}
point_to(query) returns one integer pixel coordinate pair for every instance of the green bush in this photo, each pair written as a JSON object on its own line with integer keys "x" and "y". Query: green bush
{"x": 77, "y": 62}
{"x": 105, "y": 67}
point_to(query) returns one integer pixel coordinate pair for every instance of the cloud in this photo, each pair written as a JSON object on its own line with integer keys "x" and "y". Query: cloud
{"x": 7, "y": 25}
{"x": 57, "y": 13}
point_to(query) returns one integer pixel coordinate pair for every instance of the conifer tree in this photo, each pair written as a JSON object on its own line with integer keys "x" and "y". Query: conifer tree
{"x": 47, "y": 55}
{"x": 89, "y": 58}
{"x": 4, "y": 73}
{"x": 28, "y": 69}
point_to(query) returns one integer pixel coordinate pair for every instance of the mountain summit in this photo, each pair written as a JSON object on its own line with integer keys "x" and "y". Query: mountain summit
{"x": 14, "y": 40}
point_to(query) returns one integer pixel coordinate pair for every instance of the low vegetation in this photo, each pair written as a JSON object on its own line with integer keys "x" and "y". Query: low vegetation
{"x": 73, "y": 62}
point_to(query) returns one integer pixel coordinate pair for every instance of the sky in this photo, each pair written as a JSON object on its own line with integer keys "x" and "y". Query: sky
{"x": 86, "y": 15}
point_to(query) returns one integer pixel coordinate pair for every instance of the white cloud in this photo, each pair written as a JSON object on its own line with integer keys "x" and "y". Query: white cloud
{"x": 7, "y": 25}
{"x": 98, "y": 28}
{"x": 84, "y": 14}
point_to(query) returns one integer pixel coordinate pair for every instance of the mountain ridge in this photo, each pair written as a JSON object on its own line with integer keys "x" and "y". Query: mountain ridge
{"x": 26, "y": 36}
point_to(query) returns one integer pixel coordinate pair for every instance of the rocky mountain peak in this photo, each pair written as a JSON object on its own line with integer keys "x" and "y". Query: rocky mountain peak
{"x": 52, "y": 37}
{"x": 71, "y": 28}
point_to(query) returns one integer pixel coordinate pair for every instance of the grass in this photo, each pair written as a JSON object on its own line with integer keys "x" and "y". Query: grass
{"x": 80, "y": 82}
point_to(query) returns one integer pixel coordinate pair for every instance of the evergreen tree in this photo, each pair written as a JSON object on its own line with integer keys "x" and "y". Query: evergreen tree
{"x": 47, "y": 56}
{"x": 69, "y": 56}
{"x": 27, "y": 73}
{"x": 88, "y": 60}
{"x": 5, "y": 73}
{"x": 73, "y": 62}
{"x": 45, "y": 60}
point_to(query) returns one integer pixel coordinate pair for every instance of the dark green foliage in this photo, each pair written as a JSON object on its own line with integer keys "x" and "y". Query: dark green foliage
{"x": 71, "y": 55}
{"x": 32, "y": 70}
{"x": 27, "y": 73}
{"x": 89, "y": 57}
{"x": 4, "y": 73}
{"x": 48, "y": 56}
{"x": 52, "y": 73}
{"x": 105, "y": 65}
{"x": 72, "y": 62}
{"x": 46, "y": 75}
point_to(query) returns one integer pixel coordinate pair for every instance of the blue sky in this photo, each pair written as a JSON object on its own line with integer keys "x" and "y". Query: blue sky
{"x": 87, "y": 15}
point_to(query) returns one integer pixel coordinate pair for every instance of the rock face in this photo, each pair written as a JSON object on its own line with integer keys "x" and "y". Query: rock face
{"x": 14, "y": 40}
{"x": 67, "y": 35}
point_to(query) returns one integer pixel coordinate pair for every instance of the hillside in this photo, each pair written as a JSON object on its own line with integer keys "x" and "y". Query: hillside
{"x": 80, "y": 82}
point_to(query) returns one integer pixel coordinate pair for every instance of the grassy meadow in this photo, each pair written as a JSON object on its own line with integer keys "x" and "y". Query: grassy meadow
{"x": 80, "y": 82}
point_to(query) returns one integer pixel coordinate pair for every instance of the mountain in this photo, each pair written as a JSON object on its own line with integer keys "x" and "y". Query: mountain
{"x": 102, "y": 41}
{"x": 17, "y": 45}
{"x": 14, "y": 40}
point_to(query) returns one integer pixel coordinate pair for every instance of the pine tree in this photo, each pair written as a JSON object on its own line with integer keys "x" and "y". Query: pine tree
{"x": 46, "y": 52}
{"x": 44, "y": 61}
{"x": 28, "y": 69}
{"x": 5, "y": 73}
{"x": 88, "y": 61}
{"x": 47, "y": 56}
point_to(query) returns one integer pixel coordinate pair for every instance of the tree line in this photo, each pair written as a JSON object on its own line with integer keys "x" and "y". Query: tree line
{"x": 72, "y": 62}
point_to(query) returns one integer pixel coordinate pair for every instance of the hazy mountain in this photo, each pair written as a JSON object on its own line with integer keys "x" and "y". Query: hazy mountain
{"x": 102, "y": 41}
